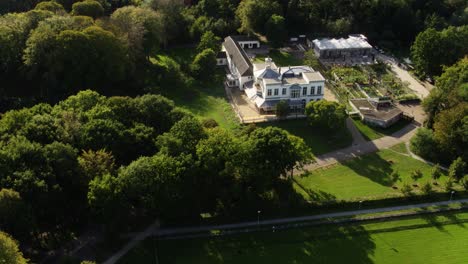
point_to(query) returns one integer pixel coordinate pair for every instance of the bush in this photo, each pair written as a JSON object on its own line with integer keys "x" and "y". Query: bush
{"x": 406, "y": 189}
{"x": 204, "y": 64}
{"x": 457, "y": 169}
{"x": 436, "y": 173}
{"x": 449, "y": 184}
{"x": 209, "y": 123}
{"x": 407, "y": 98}
{"x": 282, "y": 109}
{"x": 416, "y": 175}
{"x": 427, "y": 188}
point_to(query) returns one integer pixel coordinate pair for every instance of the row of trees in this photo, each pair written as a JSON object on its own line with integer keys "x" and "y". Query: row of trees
{"x": 433, "y": 49}
{"x": 50, "y": 54}
{"x": 445, "y": 137}
{"x": 92, "y": 159}
{"x": 390, "y": 23}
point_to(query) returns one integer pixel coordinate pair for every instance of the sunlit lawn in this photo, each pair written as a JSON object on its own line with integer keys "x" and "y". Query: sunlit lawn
{"x": 366, "y": 177}
{"x": 205, "y": 99}
{"x": 426, "y": 239}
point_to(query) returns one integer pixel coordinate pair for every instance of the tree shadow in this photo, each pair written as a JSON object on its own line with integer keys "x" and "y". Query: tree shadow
{"x": 316, "y": 195}
{"x": 333, "y": 244}
{"x": 373, "y": 167}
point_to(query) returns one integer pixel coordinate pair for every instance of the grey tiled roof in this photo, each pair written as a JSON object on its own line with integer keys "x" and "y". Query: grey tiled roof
{"x": 238, "y": 56}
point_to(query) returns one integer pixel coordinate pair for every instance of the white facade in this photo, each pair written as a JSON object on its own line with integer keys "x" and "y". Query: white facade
{"x": 297, "y": 85}
{"x": 250, "y": 44}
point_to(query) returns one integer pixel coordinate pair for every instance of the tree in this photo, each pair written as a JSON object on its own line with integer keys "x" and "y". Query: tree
{"x": 275, "y": 31}
{"x": 204, "y": 64}
{"x": 416, "y": 175}
{"x": 183, "y": 137}
{"x": 326, "y": 114}
{"x": 50, "y": 6}
{"x": 89, "y": 8}
{"x": 262, "y": 166}
{"x": 395, "y": 177}
{"x": 311, "y": 59}
{"x": 427, "y": 188}
{"x": 424, "y": 144}
{"x": 448, "y": 184}
{"x": 209, "y": 41}
{"x": 14, "y": 214}
{"x": 253, "y": 14}
{"x": 464, "y": 182}
{"x": 457, "y": 169}
{"x": 432, "y": 49}
{"x": 9, "y": 250}
{"x": 451, "y": 131}
{"x": 143, "y": 29}
{"x": 282, "y": 109}
{"x": 449, "y": 90}
{"x": 436, "y": 173}
{"x": 96, "y": 163}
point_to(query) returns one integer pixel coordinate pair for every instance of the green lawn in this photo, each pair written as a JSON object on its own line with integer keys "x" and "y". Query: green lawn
{"x": 426, "y": 239}
{"x": 205, "y": 99}
{"x": 364, "y": 178}
{"x": 372, "y": 133}
{"x": 319, "y": 141}
{"x": 280, "y": 58}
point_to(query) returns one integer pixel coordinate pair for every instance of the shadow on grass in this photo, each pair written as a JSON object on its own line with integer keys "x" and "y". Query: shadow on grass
{"x": 373, "y": 167}
{"x": 317, "y": 195}
{"x": 329, "y": 245}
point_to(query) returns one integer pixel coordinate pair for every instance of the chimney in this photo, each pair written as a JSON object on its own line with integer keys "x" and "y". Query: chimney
{"x": 268, "y": 62}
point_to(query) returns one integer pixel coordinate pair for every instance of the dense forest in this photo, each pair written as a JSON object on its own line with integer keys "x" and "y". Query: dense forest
{"x": 87, "y": 140}
{"x": 50, "y": 50}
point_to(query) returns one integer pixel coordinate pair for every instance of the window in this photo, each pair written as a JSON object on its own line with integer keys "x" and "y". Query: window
{"x": 319, "y": 90}
{"x": 276, "y": 91}
{"x": 284, "y": 91}
{"x": 304, "y": 90}
{"x": 296, "y": 93}
{"x": 269, "y": 92}
{"x": 312, "y": 90}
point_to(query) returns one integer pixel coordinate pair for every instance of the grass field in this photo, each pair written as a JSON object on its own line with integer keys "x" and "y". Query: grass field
{"x": 319, "y": 141}
{"x": 364, "y": 178}
{"x": 372, "y": 133}
{"x": 426, "y": 239}
{"x": 203, "y": 99}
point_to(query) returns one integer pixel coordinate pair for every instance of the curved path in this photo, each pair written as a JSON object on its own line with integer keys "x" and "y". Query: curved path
{"x": 361, "y": 148}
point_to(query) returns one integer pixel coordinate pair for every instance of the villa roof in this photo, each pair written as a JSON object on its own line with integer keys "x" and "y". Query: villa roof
{"x": 243, "y": 38}
{"x": 238, "y": 57}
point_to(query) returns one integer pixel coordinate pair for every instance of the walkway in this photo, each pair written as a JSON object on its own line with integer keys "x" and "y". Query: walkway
{"x": 279, "y": 221}
{"x": 136, "y": 240}
{"x": 404, "y": 75}
{"x": 366, "y": 147}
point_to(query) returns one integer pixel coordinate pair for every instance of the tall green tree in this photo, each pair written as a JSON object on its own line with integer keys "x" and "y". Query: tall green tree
{"x": 253, "y": 14}
{"x": 9, "y": 250}
{"x": 326, "y": 115}
{"x": 275, "y": 30}
{"x": 89, "y": 8}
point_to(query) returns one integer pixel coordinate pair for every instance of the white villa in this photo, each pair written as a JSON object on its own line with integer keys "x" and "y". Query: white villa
{"x": 265, "y": 84}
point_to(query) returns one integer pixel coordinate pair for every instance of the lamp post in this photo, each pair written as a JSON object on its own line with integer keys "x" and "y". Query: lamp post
{"x": 360, "y": 204}
{"x": 258, "y": 218}
{"x": 451, "y": 195}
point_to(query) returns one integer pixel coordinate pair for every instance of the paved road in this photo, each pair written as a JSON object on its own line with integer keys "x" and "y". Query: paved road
{"x": 188, "y": 230}
{"x": 404, "y": 75}
{"x": 366, "y": 147}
